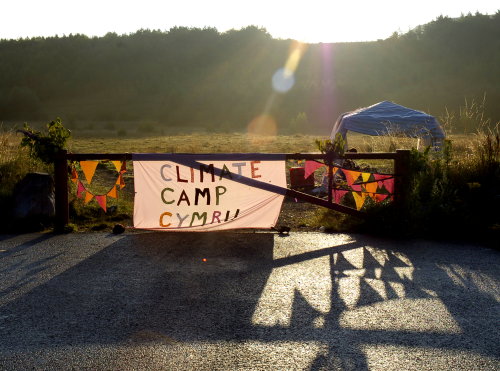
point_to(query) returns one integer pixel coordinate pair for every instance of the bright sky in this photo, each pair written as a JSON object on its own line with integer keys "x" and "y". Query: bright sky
{"x": 304, "y": 20}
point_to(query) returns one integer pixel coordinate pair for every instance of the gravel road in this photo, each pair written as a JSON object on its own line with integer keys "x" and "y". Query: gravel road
{"x": 246, "y": 301}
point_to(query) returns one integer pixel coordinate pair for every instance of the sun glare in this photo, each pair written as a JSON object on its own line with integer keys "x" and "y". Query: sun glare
{"x": 282, "y": 81}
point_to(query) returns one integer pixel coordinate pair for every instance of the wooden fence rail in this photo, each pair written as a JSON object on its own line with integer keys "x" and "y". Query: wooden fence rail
{"x": 400, "y": 157}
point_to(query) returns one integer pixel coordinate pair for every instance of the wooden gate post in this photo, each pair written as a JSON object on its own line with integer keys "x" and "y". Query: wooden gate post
{"x": 330, "y": 180}
{"x": 401, "y": 169}
{"x": 61, "y": 191}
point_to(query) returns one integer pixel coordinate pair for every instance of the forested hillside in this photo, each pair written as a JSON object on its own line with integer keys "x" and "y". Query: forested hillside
{"x": 199, "y": 78}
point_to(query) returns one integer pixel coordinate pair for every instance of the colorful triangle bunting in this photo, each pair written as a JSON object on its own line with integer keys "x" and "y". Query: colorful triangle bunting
{"x": 88, "y": 197}
{"x": 310, "y": 167}
{"x": 381, "y": 176}
{"x": 389, "y": 185}
{"x": 80, "y": 189}
{"x": 338, "y": 194}
{"x": 88, "y": 168}
{"x": 356, "y": 187}
{"x": 359, "y": 199}
{"x": 74, "y": 175}
{"x": 351, "y": 176}
{"x": 371, "y": 187}
{"x": 113, "y": 193}
{"x": 365, "y": 176}
{"x": 101, "y": 200}
{"x": 379, "y": 197}
{"x": 120, "y": 181}
{"x": 118, "y": 165}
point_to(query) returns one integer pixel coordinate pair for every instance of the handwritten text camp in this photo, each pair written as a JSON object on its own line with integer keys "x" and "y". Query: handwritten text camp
{"x": 212, "y": 195}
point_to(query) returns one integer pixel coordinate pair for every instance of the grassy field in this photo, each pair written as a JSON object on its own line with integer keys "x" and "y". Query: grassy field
{"x": 229, "y": 143}
{"x": 455, "y": 190}
{"x": 471, "y": 156}
{"x": 196, "y": 143}
{"x": 464, "y": 146}
{"x": 14, "y": 161}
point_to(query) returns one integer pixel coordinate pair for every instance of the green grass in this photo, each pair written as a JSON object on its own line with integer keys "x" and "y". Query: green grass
{"x": 195, "y": 143}
{"x": 469, "y": 176}
{"x": 15, "y": 163}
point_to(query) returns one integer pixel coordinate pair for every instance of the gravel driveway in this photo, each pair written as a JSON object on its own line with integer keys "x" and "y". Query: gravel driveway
{"x": 246, "y": 301}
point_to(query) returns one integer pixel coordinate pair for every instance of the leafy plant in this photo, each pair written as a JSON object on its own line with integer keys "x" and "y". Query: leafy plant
{"x": 336, "y": 148}
{"x": 15, "y": 163}
{"x": 45, "y": 146}
{"x": 489, "y": 152}
{"x": 444, "y": 200}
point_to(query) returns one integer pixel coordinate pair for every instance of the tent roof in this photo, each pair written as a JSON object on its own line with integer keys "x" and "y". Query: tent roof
{"x": 389, "y": 118}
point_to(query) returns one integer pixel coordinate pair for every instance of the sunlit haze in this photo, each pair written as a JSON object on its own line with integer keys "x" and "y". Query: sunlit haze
{"x": 311, "y": 21}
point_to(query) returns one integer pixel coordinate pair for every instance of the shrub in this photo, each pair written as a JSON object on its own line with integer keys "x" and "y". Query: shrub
{"x": 15, "y": 163}
{"x": 45, "y": 146}
{"x": 450, "y": 194}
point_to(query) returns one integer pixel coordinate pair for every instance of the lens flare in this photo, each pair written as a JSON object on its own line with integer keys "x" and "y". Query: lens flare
{"x": 263, "y": 125}
{"x": 297, "y": 50}
{"x": 284, "y": 78}
{"x": 326, "y": 110}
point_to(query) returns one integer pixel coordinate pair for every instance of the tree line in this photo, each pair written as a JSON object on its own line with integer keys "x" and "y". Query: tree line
{"x": 191, "y": 78}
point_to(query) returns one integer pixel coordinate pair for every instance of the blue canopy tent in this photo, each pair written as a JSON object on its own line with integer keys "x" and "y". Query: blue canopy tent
{"x": 388, "y": 118}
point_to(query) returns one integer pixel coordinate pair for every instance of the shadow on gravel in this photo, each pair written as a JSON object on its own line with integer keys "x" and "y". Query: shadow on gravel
{"x": 26, "y": 245}
{"x": 153, "y": 282}
{"x": 208, "y": 287}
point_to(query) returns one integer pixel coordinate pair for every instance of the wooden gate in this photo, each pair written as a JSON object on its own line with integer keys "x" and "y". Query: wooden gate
{"x": 400, "y": 158}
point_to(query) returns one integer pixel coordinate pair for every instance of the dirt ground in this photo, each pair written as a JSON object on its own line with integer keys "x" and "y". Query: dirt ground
{"x": 299, "y": 216}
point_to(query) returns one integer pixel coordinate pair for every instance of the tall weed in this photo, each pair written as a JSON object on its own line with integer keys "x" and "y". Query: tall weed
{"x": 454, "y": 192}
{"x": 451, "y": 194}
{"x": 470, "y": 118}
{"x": 15, "y": 163}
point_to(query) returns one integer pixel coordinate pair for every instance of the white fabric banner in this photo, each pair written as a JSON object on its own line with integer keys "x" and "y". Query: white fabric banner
{"x": 208, "y": 192}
